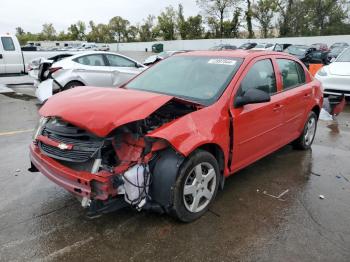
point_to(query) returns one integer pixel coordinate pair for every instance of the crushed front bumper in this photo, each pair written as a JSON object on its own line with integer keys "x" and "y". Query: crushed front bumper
{"x": 97, "y": 186}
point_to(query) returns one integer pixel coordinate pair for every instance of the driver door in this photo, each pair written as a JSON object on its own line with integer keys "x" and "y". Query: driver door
{"x": 257, "y": 127}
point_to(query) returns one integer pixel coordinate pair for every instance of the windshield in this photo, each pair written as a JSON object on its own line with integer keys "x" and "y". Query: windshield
{"x": 198, "y": 79}
{"x": 297, "y": 50}
{"x": 344, "y": 57}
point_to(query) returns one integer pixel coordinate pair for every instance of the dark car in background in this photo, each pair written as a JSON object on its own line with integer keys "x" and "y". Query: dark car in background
{"x": 320, "y": 46}
{"x": 340, "y": 44}
{"x": 308, "y": 54}
{"x": 247, "y": 46}
{"x": 223, "y": 47}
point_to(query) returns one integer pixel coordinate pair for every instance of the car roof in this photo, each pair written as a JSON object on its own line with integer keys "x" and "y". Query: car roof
{"x": 82, "y": 53}
{"x": 238, "y": 53}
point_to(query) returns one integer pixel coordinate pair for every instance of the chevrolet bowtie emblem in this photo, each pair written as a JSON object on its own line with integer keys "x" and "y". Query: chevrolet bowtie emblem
{"x": 63, "y": 146}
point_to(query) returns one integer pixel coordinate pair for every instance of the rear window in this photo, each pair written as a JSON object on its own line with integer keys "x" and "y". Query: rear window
{"x": 7, "y": 43}
{"x": 293, "y": 74}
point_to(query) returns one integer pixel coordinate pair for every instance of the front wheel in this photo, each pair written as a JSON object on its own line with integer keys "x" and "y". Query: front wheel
{"x": 196, "y": 186}
{"x": 307, "y": 137}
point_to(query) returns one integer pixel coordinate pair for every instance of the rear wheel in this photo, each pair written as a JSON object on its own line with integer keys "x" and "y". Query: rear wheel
{"x": 72, "y": 85}
{"x": 196, "y": 186}
{"x": 307, "y": 136}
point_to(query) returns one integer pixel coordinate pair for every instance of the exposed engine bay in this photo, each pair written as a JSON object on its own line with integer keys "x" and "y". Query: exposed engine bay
{"x": 127, "y": 156}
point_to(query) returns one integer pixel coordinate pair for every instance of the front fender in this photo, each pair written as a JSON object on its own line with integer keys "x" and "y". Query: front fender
{"x": 209, "y": 125}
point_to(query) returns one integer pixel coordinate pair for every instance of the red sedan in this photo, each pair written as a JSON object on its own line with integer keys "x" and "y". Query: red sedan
{"x": 167, "y": 139}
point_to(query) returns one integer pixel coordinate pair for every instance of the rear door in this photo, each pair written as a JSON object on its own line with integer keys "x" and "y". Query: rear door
{"x": 297, "y": 93}
{"x": 11, "y": 56}
{"x": 93, "y": 70}
{"x": 122, "y": 69}
{"x": 257, "y": 127}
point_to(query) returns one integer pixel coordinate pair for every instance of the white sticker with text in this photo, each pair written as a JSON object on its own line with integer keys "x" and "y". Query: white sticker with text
{"x": 221, "y": 61}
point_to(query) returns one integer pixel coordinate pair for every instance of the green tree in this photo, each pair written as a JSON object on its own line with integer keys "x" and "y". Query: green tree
{"x": 217, "y": 9}
{"x": 132, "y": 33}
{"x": 48, "y": 32}
{"x": 194, "y": 27}
{"x": 285, "y": 12}
{"x": 119, "y": 28}
{"x": 77, "y": 31}
{"x": 146, "y": 30}
{"x": 231, "y": 27}
{"x": 249, "y": 17}
{"x": 100, "y": 33}
{"x": 214, "y": 28}
{"x": 62, "y": 36}
{"x": 313, "y": 17}
{"x": 19, "y": 31}
{"x": 181, "y": 23}
{"x": 167, "y": 23}
{"x": 263, "y": 12}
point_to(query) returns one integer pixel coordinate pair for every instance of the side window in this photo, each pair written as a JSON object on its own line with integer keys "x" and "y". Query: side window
{"x": 91, "y": 60}
{"x": 118, "y": 61}
{"x": 7, "y": 43}
{"x": 292, "y": 73}
{"x": 260, "y": 76}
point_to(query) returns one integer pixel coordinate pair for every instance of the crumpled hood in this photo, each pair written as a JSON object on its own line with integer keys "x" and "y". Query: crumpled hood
{"x": 101, "y": 110}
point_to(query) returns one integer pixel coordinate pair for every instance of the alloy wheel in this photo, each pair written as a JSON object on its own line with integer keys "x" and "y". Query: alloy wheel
{"x": 199, "y": 187}
{"x": 310, "y": 131}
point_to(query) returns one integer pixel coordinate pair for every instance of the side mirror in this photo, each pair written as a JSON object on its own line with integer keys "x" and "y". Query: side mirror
{"x": 252, "y": 96}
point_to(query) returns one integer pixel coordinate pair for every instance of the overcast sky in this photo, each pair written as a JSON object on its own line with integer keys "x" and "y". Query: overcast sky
{"x": 32, "y": 14}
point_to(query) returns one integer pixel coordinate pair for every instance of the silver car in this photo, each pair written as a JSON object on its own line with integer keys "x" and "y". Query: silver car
{"x": 102, "y": 69}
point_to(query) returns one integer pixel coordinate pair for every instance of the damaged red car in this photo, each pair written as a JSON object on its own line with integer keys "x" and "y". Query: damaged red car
{"x": 166, "y": 140}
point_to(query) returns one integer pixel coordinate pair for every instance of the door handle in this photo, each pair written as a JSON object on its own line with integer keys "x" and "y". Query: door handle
{"x": 277, "y": 107}
{"x": 1, "y": 56}
{"x": 307, "y": 95}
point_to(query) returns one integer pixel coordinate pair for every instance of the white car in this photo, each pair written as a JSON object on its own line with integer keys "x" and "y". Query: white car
{"x": 161, "y": 56}
{"x": 335, "y": 77}
{"x": 264, "y": 46}
{"x": 101, "y": 69}
{"x": 37, "y": 67}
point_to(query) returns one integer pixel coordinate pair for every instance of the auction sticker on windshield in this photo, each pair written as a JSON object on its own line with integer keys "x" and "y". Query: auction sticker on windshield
{"x": 220, "y": 61}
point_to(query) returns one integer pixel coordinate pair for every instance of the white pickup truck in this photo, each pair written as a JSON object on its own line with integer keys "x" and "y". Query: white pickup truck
{"x": 13, "y": 60}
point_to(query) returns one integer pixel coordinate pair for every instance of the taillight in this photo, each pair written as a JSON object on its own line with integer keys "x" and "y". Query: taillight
{"x": 54, "y": 69}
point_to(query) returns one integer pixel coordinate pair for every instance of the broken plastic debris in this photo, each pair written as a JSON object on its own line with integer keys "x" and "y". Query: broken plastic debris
{"x": 18, "y": 170}
{"x": 325, "y": 116}
{"x": 321, "y": 196}
{"x": 279, "y": 196}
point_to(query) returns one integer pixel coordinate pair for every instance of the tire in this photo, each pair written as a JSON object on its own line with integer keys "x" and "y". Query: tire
{"x": 192, "y": 203}
{"x": 305, "y": 140}
{"x": 71, "y": 85}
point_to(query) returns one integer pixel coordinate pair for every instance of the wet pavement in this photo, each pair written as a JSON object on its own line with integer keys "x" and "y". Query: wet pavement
{"x": 39, "y": 221}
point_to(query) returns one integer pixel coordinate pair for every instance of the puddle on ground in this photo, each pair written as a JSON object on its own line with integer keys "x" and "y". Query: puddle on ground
{"x": 19, "y": 96}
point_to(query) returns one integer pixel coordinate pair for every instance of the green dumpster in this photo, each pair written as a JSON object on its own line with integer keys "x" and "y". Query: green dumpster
{"x": 157, "y": 48}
